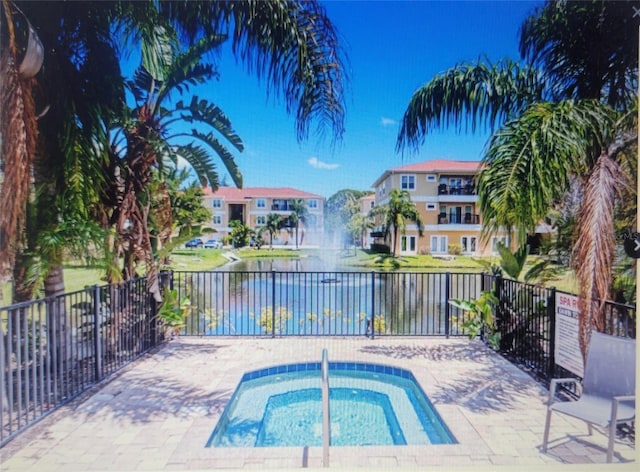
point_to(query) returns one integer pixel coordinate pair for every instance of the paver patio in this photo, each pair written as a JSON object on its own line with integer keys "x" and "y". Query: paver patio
{"x": 158, "y": 413}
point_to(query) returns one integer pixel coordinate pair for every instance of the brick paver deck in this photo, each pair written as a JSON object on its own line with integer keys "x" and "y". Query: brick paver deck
{"x": 158, "y": 413}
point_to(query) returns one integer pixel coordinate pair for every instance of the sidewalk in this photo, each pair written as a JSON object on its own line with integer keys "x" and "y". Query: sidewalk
{"x": 158, "y": 413}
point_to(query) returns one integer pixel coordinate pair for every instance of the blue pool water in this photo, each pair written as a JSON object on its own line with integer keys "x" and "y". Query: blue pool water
{"x": 369, "y": 405}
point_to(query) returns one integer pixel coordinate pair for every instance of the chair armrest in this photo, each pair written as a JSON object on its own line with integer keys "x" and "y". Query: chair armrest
{"x": 625, "y": 398}
{"x": 616, "y": 401}
{"x": 554, "y": 385}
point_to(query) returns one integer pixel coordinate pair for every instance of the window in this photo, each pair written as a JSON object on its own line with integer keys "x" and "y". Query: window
{"x": 217, "y": 220}
{"x": 261, "y": 220}
{"x": 313, "y": 203}
{"x": 431, "y": 177}
{"x": 261, "y": 203}
{"x": 408, "y": 182}
{"x": 431, "y": 206}
{"x": 439, "y": 244}
{"x": 373, "y": 203}
{"x": 216, "y": 203}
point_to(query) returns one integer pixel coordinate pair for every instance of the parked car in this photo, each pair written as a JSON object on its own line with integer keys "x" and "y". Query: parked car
{"x": 194, "y": 243}
{"x": 213, "y": 244}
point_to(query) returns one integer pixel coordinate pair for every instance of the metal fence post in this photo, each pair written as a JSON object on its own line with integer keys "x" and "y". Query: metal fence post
{"x": 447, "y": 307}
{"x": 373, "y": 304}
{"x": 551, "y": 319}
{"x": 97, "y": 333}
{"x": 273, "y": 303}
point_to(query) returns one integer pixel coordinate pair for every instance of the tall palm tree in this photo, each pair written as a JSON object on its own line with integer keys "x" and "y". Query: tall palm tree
{"x": 292, "y": 45}
{"x": 396, "y": 213}
{"x": 150, "y": 142}
{"x": 299, "y": 214}
{"x": 18, "y": 127}
{"x": 273, "y": 225}
{"x": 568, "y": 111}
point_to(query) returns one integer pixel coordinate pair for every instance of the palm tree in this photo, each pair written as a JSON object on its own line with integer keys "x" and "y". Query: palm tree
{"x": 149, "y": 142}
{"x": 298, "y": 215}
{"x": 569, "y": 111}
{"x": 396, "y": 213}
{"x": 18, "y": 129}
{"x": 291, "y": 44}
{"x": 358, "y": 226}
{"x": 273, "y": 225}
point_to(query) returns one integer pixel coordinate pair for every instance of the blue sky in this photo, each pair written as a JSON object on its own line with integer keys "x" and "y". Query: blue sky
{"x": 393, "y": 48}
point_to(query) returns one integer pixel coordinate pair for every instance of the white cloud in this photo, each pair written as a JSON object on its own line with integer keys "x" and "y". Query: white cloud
{"x": 387, "y": 121}
{"x": 318, "y": 164}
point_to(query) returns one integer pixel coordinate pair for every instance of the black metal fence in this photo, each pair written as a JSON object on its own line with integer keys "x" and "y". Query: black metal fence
{"x": 325, "y": 303}
{"x": 53, "y": 349}
{"x": 526, "y": 319}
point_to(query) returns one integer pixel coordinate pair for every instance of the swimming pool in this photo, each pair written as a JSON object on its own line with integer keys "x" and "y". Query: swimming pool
{"x": 370, "y": 404}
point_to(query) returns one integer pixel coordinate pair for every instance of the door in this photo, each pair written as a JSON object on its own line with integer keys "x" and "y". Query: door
{"x": 408, "y": 245}
{"x": 469, "y": 244}
{"x": 438, "y": 244}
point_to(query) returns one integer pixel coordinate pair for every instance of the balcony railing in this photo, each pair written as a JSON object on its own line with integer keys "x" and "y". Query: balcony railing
{"x": 444, "y": 189}
{"x": 455, "y": 219}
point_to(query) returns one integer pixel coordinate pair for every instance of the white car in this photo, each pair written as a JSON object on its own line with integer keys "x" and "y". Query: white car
{"x": 213, "y": 244}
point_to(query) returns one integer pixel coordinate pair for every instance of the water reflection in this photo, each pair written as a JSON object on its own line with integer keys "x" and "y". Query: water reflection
{"x": 302, "y": 297}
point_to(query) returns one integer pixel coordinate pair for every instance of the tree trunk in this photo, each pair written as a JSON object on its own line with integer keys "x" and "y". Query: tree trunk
{"x": 395, "y": 240}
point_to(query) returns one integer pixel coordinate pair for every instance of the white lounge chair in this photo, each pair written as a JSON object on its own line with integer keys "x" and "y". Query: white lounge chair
{"x": 608, "y": 388}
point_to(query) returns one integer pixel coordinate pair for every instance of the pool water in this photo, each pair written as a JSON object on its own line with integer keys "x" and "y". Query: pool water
{"x": 369, "y": 405}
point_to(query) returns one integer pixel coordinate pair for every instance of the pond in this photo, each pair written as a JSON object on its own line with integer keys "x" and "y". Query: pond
{"x": 303, "y": 297}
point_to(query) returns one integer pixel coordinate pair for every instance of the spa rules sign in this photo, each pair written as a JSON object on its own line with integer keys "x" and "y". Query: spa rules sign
{"x": 567, "y": 350}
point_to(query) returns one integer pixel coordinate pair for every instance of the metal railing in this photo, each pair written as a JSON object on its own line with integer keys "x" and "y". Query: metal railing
{"x": 53, "y": 349}
{"x": 526, "y": 317}
{"x": 324, "y": 303}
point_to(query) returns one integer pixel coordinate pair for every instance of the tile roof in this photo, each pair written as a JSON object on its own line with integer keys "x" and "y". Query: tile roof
{"x": 439, "y": 165}
{"x": 233, "y": 193}
{"x": 435, "y": 165}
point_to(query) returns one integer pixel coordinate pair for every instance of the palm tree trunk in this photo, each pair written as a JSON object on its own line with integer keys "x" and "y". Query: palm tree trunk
{"x": 395, "y": 240}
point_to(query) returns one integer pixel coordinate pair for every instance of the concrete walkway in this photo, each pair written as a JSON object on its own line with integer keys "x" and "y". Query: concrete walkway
{"x": 158, "y": 413}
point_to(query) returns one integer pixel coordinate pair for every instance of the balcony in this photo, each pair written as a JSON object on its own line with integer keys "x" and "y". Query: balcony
{"x": 444, "y": 189}
{"x": 282, "y": 206}
{"x": 457, "y": 219}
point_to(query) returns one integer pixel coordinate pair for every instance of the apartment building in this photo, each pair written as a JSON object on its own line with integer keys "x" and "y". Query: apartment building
{"x": 252, "y": 205}
{"x": 444, "y": 192}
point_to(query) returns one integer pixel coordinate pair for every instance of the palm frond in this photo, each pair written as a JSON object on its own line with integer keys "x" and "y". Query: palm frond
{"x": 475, "y": 95}
{"x": 529, "y": 161}
{"x": 18, "y": 122}
{"x": 209, "y": 113}
{"x": 584, "y": 49}
{"x": 224, "y": 155}
{"x": 158, "y": 50}
{"x": 595, "y": 246}
{"x": 291, "y": 44}
{"x": 200, "y": 160}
